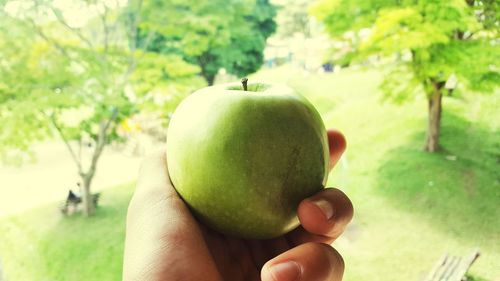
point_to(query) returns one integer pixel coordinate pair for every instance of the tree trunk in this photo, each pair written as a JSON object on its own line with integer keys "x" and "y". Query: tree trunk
{"x": 87, "y": 200}
{"x": 210, "y": 79}
{"x": 432, "y": 142}
{"x": 203, "y": 62}
{"x": 88, "y": 203}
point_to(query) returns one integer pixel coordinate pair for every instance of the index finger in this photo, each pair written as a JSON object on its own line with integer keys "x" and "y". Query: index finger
{"x": 337, "y": 145}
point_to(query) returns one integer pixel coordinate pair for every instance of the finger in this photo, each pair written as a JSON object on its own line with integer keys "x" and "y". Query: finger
{"x": 337, "y": 145}
{"x": 323, "y": 217}
{"x": 162, "y": 238}
{"x": 310, "y": 261}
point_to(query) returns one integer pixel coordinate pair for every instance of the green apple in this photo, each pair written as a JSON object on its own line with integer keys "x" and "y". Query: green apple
{"x": 243, "y": 159}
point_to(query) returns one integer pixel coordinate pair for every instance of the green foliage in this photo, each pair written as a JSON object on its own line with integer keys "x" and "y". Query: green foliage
{"x": 210, "y": 34}
{"x": 442, "y": 38}
{"x": 244, "y": 55}
{"x": 437, "y": 47}
{"x": 340, "y": 16}
{"x": 161, "y": 81}
{"x": 75, "y": 77}
{"x": 33, "y": 77}
{"x": 155, "y": 70}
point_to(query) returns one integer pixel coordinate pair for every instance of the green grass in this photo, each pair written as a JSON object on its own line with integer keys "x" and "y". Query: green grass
{"x": 411, "y": 207}
{"x": 43, "y": 245}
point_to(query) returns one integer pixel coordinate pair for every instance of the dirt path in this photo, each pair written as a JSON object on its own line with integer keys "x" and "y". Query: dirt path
{"x": 49, "y": 179}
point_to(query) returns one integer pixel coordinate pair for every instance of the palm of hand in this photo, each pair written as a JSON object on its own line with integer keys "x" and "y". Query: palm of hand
{"x": 242, "y": 259}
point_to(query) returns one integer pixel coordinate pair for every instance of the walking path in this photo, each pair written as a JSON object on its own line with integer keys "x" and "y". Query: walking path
{"x": 49, "y": 178}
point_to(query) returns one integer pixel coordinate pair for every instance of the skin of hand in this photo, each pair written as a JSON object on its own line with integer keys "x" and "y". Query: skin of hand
{"x": 165, "y": 242}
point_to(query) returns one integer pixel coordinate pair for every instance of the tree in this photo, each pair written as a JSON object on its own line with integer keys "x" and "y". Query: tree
{"x": 52, "y": 77}
{"x": 211, "y": 34}
{"x": 59, "y": 77}
{"x": 443, "y": 39}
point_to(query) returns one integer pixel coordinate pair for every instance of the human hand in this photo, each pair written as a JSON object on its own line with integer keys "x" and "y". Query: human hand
{"x": 165, "y": 242}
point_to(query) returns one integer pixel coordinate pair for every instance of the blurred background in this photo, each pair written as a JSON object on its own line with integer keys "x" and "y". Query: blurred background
{"x": 87, "y": 88}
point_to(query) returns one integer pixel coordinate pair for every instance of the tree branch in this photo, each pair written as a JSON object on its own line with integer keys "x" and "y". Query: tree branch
{"x": 133, "y": 28}
{"x": 52, "y": 42}
{"x": 104, "y": 20}
{"x": 111, "y": 119}
{"x": 68, "y": 145}
{"x": 75, "y": 31}
{"x": 133, "y": 40}
{"x": 101, "y": 140}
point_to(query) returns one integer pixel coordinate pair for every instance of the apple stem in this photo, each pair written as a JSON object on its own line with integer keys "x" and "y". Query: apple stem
{"x": 244, "y": 81}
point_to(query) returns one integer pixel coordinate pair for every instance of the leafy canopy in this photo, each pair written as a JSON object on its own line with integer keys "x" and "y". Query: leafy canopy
{"x": 441, "y": 38}
{"x": 56, "y": 75}
{"x": 211, "y": 34}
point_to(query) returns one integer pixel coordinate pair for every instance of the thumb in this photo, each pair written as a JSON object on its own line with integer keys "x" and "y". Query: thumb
{"x": 163, "y": 240}
{"x": 309, "y": 261}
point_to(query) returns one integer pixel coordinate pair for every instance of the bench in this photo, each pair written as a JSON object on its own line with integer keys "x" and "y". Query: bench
{"x": 452, "y": 268}
{"x": 73, "y": 200}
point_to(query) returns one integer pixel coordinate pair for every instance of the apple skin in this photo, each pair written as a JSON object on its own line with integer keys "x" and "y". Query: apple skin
{"x": 243, "y": 160}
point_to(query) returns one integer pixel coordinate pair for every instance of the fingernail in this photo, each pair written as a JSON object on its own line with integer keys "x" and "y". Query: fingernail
{"x": 287, "y": 271}
{"x": 325, "y": 207}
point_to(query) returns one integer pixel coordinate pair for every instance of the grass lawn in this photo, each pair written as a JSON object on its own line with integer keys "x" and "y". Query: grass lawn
{"x": 42, "y": 245}
{"x": 411, "y": 207}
